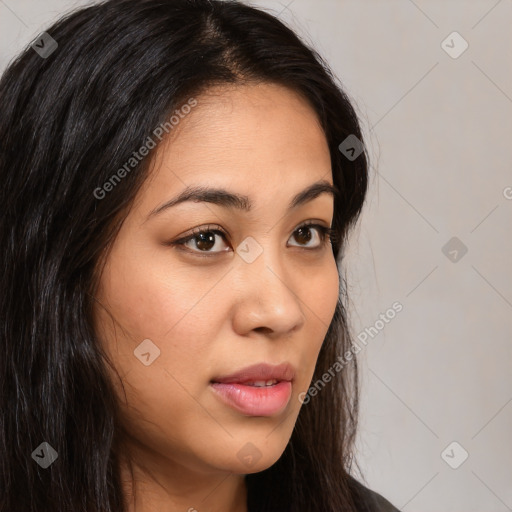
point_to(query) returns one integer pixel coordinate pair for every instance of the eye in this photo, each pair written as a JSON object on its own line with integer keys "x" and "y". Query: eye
{"x": 203, "y": 241}
{"x": 323, "y": 234}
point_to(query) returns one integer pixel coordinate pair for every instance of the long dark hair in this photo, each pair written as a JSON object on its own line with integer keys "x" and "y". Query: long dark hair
{"x": 69, "y": 119}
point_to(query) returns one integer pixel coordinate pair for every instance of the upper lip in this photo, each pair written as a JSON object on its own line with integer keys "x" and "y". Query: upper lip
{"x": 259, "y": 372}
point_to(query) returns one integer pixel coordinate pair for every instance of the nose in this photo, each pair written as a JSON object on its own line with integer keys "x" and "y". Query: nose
{"x": 268, "y": 299}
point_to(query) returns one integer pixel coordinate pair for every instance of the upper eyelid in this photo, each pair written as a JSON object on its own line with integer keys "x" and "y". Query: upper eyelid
{"x": 216, "y": 228}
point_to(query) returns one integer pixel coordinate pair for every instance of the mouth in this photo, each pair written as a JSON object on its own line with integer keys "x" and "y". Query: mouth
{"x": 258, "y": 390}
{"x": 259, "y": 383}
{"x": 261, "y": 374}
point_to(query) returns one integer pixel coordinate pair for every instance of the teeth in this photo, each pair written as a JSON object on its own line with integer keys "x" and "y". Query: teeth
{"x": 262, "y": 383}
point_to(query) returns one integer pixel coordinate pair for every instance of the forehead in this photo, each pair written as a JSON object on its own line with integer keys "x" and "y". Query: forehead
{"x": 252, "y": 138}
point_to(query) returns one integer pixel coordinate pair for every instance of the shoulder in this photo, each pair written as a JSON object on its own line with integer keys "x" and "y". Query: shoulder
{"x": 368, "y": 500}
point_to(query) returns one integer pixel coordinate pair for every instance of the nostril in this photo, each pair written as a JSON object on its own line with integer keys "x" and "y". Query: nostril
{"x": 264, "y": 330}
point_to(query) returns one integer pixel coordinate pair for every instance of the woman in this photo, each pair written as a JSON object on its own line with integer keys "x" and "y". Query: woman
{"x": 177, "y": 190}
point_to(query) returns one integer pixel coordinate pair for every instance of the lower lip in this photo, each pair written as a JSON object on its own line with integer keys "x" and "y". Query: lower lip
{"x": 255, "y": 401}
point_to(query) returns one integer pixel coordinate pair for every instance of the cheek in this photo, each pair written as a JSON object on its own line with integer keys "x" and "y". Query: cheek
{"x": 154, "y": 297}
{"x": 159, "y": 303}
{"x": 144, "y": 300}
{"x": 330, "y": 286}
{"x": 319, "y": 297}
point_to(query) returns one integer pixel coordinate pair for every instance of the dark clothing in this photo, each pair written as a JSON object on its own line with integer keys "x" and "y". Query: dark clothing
{"x": 366, "y": 500}
{"x": 371, "y": 501}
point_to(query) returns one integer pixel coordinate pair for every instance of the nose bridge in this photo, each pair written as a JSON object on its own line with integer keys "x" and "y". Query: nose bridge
{"x": 261, "y": 256}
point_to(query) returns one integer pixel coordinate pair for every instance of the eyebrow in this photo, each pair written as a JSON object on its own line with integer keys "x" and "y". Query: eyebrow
{"x": 228, "y": 199}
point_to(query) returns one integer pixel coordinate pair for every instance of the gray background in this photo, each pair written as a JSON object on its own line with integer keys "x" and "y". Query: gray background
{"x": 439, "y": 132}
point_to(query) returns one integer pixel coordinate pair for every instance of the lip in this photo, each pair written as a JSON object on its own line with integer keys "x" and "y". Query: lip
{"x": 260, "y": 371}
{"x": 234, "y": 390}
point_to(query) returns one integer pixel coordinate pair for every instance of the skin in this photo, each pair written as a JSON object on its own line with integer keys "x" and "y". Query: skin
{"x": 215, "y": 315}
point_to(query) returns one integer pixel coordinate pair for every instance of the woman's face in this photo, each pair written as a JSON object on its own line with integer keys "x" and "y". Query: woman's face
{"x": 175, "y": 318}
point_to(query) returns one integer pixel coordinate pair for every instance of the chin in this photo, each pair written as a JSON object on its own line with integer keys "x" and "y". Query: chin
{"x": 259, "y": 454}
{"x": 256, "y": 467}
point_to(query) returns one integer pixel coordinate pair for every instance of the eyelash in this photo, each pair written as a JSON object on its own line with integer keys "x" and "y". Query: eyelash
{"x": 326, "y": 234}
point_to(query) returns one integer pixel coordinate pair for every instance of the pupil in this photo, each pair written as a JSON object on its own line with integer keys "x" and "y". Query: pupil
{"x": 206, "y": 240}
{"x": 301, "y": 233}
